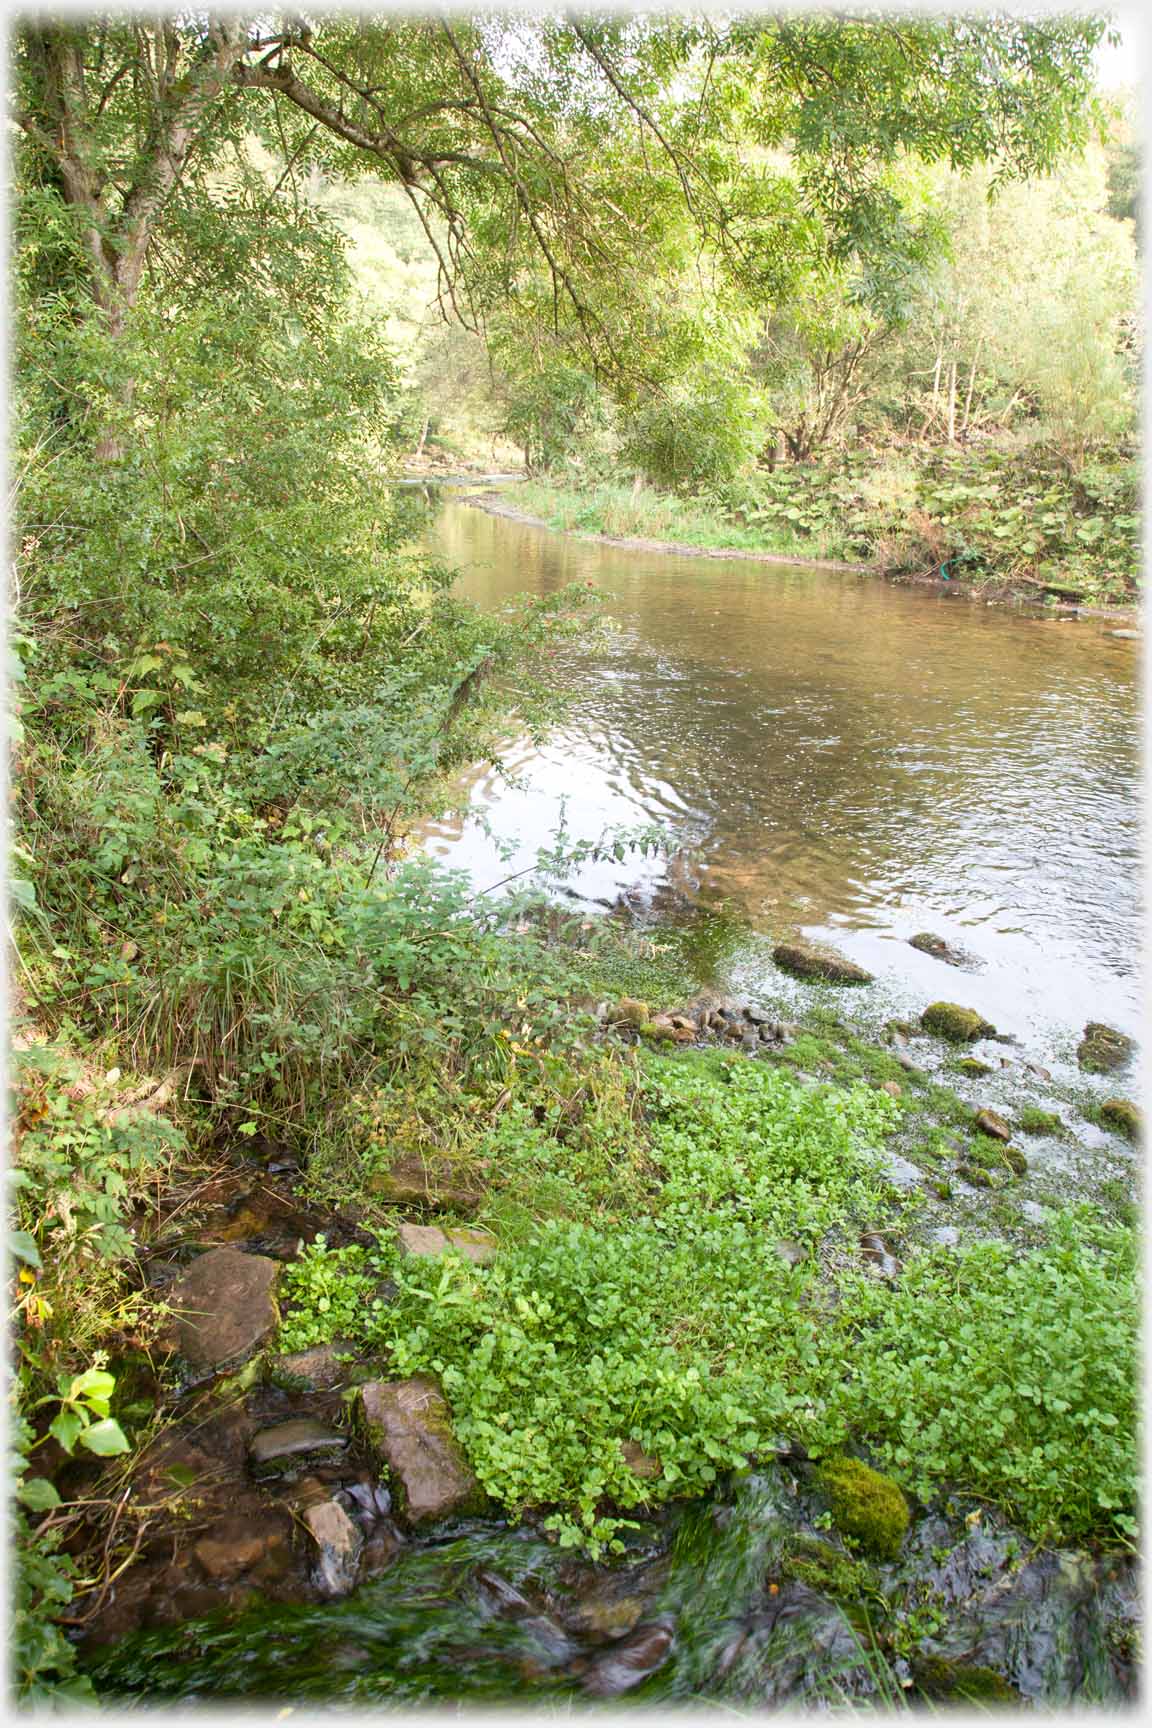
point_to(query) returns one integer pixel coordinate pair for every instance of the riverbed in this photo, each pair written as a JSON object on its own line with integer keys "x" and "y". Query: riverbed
{"x": 830, "y": 754}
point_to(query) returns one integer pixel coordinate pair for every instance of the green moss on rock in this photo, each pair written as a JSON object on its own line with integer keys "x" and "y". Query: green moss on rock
{"x": 938, "y": 1677}
{"x": 868, "y": 1509}
{"x": 1103, "y": 1048}
{"x": 1033, "y": 1121}
{"x": 828, "y": 1570}
{"x": 1122, "y": 1115}
{"x": 959, "y": 1025}
{"x": 972, "y": 1066}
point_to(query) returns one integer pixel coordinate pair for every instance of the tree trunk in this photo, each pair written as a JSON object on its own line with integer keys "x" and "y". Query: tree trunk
{"x": 952, "y": 403}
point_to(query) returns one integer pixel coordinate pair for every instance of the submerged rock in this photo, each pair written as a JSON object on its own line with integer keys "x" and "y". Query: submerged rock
{"x": 409, "y": 1424}
{"x": 812, "y": 960}
{"x": 628, "y": 1662}
{"x": 868, "y": 1508}
{"x": 223, "y": 1306}
{"x": 428, "y": 1240}
{"x": 941, "y": 950}
{"x": 1103, "y": 1049}
{"x": 959, "y": 1025}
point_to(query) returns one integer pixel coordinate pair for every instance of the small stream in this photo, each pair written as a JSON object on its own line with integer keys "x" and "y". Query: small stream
{"x": 837, "y": 755}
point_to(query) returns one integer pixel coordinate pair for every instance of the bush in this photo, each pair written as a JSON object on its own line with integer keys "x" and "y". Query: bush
{"x": 701, "y": 433}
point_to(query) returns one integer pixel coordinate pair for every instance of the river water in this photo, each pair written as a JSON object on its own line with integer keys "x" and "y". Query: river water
{"x": 835, "y": 755}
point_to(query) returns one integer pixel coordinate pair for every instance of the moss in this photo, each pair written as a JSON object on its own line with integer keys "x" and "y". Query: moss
{"x": 972, "y": 1065}
{"x": 1103, "y": 1049}
{"x": 810, "y": 961}
{"x": 658, "y": 1034}
{"x": 958, "y": 1025}
{"x": 974, "y": 1175}
{"x": 1015, "y": 1160}
{"x": 1032, "y": 1121}
{"x": 1120, "y": 1114}
{"x": 938, "y": 1677}
{"x": 868, "y": 1509}
{"x": 829, "y": 1571}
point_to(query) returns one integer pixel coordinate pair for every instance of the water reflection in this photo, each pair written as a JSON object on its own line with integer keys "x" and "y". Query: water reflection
{"x": 836, "y": 754}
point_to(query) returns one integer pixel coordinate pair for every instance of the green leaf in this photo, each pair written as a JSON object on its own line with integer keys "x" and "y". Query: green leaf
{"x": 65, "y": 1426}
{"x": 105, "y": 1438}
{"x": 23, "y": 1246}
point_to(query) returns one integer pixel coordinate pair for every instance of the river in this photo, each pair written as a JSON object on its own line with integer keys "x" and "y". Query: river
{"x": 837, "y": 755}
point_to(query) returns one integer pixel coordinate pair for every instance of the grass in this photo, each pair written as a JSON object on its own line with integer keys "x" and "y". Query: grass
{"x": 639, "y": 512}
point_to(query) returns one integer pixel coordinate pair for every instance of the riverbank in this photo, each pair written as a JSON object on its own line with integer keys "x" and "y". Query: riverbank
{"x": 993, "y": 526}
{"x": 578, "y": 1272}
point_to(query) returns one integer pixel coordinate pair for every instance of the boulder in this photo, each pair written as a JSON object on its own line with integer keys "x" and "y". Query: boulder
{"x": 1103, "y": 1049}
{"x": 994, "y": 1126}
{"x": 958, "y": 1025}
{"x": 629, "y": 1011}
{"x": 223, "y": 1306}
{"x": 811, "y": 960}
{"x": 868, "y": 1508}
{"x": 408, "y": 1424}
{"x": 426, "y": 1241}
{"x": 338, "y": 1543}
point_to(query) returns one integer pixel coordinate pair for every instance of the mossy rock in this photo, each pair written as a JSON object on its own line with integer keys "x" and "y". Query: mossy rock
{"x": 959, "y": 1025}
{"x": 868, "y": 1509}
{"x": 1015, "y": 1160}
{"x": 810, "y": 960}
{"x": 1122, "y": 1115}
{"x": 938, "y": 1677}
{"x": 1103, "y": 1049}
{"x": 629, "y": 1011}
{"x": 1032, "y": 1121}
{"x": 974, "y": 1176}
{"x": 828, "y": 1570}
{"x": 972, "y": 1066}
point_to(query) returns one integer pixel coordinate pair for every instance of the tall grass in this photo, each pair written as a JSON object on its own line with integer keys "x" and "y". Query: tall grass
{"x": 639, "y": 512}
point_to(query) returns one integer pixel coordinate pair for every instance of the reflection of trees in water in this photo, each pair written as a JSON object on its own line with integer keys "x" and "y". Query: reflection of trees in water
{"x": 834, "y": 741}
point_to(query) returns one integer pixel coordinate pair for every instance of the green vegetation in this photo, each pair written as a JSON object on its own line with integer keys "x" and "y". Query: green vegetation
{"x": 671, "y": 246}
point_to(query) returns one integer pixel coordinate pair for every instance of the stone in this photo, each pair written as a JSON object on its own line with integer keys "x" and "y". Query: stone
{"x": 627, "y": 1662}
{"x": 380, "y": 1550}
{"x": 1103, "y": 1049}
{"x": 236, "y": 1545}
{"x": 959, "y": 1025}
{"x": 629, "y": 1011}
{"x": 972, "y": 1066}
{"x": 994, "y": 1126}
{"x": 906, "y": 1062}
{"x": 1125, "y": 635}
{"x": 426, "y": 1241}
{"x": 411, "y": 1181}
{"x": 315, "y": 1370}
{"x": 640, "y": 1462}
{"x": 974, "y": 1176}
{"x": 293, "y": 1441}
{"x": 940, "y": 950}
{"x": 659, "y": 1029}
{"x": 893, "y": 1088}
{"x": 1118, "y": 1113}
{"x": 223, "y": 1306}
{"x": 813, "y": 961}
{"x": 338, "y": 1542}
{"x": 408, "y": 1424}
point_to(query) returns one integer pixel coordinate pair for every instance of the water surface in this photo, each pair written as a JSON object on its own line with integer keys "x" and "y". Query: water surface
{"x": 836, "y": 755}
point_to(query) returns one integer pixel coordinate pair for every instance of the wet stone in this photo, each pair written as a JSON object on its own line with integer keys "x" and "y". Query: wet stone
{"x": 628, "y": 1662}
{"x": 315, "y": 1370}
{"x": 993, "y": 1126}
{"x": 810, "y": 960}
{"x": 338, "y": 1543}
{"x": 957, "y": 1024}
{"x": 223, "y": 1307}
{"x": 295, "y": 1440}
{"x": 1103, "y": 1049}
{"x": 939, "y": 949}
{"x": 409, "y": 1424}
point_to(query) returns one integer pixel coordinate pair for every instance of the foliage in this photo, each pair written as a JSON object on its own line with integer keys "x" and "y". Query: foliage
{"x": 1012, "y": 1376}
{"x": 331, "y": 1294}
{"x": 698, "y": 433}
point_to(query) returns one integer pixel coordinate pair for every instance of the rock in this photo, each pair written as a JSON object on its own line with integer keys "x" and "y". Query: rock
{"x": 1015, "y": 1161}
{"x": 315, "y": 1370}
{"x": 409, "y": 1424}
{"x": 640, "y": 1463}
{"x": 274, "y": 1449}
{"x": 867, "y": 1507}
{"x": 1125, "y": 635}
{"x": 898, "y": 1031}
{"x": 811, "y": 960}
{"x": 994, "y": 1126}
{"x": 757, "y": 1016}
{"x": 1103, "y": 1049}
{"x": 792, "y": 1253}
{"x": 223, "y": 1306}
{"x": 629, "y": 1011}
{"x": 339, "y": 1543}
{"x": 893, "y": 1088}
{"x": 380, "y": 1550}
{"x": 238, "y": 1544}
{"x": 906, "y": 1062}
{"x": 958, "y": 1025}
{"x": 629, "y": 1661}
{"x": 876, "y": 1250}
{"x": 1118, "y": 1113}
{"x": 972, "y": 1066}
{"x": 940, "y": 950}
{"x": 974, "y": 1176}
{"x": 939, "y": 1677}
{"x": 425, "y": 1241}
{"x": 413, "y": 1182}
{"x": 659, "y": 1029}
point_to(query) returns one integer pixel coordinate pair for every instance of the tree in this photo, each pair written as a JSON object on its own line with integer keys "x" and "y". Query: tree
{"x": 495, "y": 127}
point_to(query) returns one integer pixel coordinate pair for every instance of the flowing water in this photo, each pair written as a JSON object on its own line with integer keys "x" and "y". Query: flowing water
{"x": 836, "y": 755}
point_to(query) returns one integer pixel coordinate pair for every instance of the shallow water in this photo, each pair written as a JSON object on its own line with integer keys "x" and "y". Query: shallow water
{"x": 837, "y": 755}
